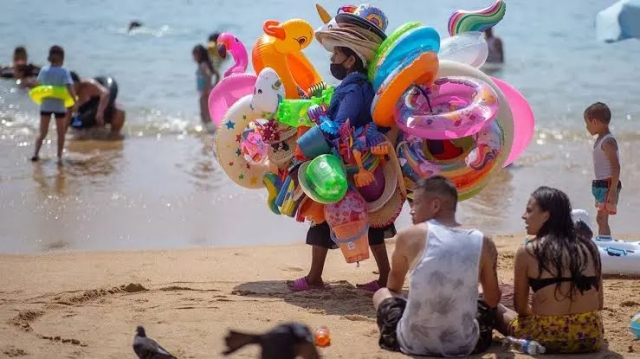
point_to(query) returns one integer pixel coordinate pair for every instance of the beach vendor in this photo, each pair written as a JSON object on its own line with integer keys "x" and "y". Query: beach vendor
{"x": 564, "y": 271}
{"x": 443, "y": 314}
{"x": 352, "y": 44}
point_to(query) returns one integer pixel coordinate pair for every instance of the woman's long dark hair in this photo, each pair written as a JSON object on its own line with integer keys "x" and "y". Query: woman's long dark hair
{"x": 560, "y": 241}
{"x": 203, "y": 56}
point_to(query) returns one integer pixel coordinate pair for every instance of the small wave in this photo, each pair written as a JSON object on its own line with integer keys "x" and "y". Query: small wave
{"x": 162, "y": 31}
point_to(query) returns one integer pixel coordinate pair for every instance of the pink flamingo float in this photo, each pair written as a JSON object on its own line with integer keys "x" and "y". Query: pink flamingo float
{"x": 236, "y": 83}
{"x": 229, "y": 44}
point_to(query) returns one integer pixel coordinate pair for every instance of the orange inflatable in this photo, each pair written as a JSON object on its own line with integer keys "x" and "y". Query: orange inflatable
{"x": 280, "y": 48}
{"x": 421, "y": 71}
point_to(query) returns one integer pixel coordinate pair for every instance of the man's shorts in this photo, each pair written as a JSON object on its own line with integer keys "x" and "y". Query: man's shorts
{"x": 390, "y": 312}
{"x": 320, "y": 235}
{"x": 600, "y": 191}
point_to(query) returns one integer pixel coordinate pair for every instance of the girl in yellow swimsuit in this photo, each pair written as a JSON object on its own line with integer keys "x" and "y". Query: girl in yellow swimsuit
{"x": 563, "y": 270}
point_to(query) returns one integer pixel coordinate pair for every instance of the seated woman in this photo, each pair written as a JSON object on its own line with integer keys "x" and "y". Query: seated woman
{"x": 564, "y": 272}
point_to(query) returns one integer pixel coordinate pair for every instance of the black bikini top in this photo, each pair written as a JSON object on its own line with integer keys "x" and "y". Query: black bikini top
{"x": 583, "y": 283}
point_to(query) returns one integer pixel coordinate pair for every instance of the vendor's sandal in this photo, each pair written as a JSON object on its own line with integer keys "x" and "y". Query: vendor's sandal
{"x": 302, "y": 285}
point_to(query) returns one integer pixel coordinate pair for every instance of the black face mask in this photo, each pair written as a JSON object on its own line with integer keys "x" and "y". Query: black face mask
{"x": 338, "y": 71}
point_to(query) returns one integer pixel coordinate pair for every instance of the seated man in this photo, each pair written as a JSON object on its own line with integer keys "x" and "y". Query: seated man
{"x": 443, "y": 315}
{"x": 97, "y": 104}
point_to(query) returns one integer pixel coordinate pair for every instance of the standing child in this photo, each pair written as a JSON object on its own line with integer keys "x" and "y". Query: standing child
{"x": 203, "y": 80}
{"x": 214, "y": 56}
{"x": 606, "y": 164}
{"x": 54, "y": 75}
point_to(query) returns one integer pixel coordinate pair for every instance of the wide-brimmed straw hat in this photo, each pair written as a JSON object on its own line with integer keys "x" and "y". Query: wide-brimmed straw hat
{"x": 363, "y": 42}
{"x": 384, "y": 210}
{"x": 365, "y": 16}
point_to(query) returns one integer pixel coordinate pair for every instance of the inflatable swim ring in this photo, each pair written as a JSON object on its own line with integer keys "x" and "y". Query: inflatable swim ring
{"x": 39, "y": 93}
{"x": 280, "y": 48}
{"x": 504, "y": 118}
{"x": 228, "y": 140}
{"x": 467, "y": 161}
{"x": 411, "y": 44}
{"x": 383, "y": 49}
{"x": 228, "y": 145}
{"x": 420, "y": 70}
{"x": 417, "y": 162}
{"x": 455, "y": 107}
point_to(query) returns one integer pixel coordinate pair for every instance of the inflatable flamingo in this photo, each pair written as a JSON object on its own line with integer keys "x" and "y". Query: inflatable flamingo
{"x": 227, "y": 43}
{"x": 236, "y": 83}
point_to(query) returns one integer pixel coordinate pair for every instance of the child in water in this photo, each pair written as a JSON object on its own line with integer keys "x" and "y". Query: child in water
{"x": 214, "y": 56}
{"x": 203, "y": 81}
{"x": 606, "y": 164}
{"x": 54, "y": 75}
{"x": 20, "y": 69}
{"x": 351, "y": 100}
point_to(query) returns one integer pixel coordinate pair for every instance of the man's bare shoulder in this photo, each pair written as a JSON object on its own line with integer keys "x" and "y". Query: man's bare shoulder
{"x": 411, "y": 236}
{"x": 489, "y": 249}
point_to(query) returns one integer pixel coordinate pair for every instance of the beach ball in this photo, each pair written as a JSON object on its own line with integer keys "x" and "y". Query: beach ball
{"x": 635, "y": 325}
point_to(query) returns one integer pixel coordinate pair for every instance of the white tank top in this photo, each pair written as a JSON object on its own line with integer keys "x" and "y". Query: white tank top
{"x": 443, "y": 294}
{"x": 601, "y": 164}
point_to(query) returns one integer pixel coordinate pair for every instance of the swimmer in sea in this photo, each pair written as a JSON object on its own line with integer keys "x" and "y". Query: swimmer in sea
{"x": 97, "y": 106}
{"x": 496, "y": 51}
{"x": 214, "y": 56}
{"x": 134, "y": 25}
{"x": 20, "y": 69}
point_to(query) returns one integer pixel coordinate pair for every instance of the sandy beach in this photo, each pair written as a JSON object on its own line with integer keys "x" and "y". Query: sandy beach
{"x": 87, "y": 304}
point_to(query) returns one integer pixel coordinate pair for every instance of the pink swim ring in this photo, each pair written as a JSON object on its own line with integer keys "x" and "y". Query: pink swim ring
{"x": 456, "y": 107}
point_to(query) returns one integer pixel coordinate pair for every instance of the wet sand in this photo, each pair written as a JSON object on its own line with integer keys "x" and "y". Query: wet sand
{"x": 167, "y": 191}
{"x": 87, "y": 304}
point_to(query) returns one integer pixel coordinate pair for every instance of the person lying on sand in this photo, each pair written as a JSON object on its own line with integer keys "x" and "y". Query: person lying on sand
{"x": 443, "y": 314}
{"x": 97, "y": 106}
{"x": 563, "y": 270}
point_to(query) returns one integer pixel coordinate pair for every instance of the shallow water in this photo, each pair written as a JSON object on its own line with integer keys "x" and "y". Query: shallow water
{"x": 161, "y": 188}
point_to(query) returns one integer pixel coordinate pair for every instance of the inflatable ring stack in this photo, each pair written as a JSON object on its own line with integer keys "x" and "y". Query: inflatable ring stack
{"x": 275, "y": 130}
{"x": 453, "y": 119}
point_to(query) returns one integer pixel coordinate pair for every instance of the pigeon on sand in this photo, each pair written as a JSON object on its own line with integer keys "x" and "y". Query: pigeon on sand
{"x": 147, "y": 348}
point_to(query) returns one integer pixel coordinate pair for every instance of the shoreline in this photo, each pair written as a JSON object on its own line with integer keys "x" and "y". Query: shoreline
{"x": 80, "y": 304}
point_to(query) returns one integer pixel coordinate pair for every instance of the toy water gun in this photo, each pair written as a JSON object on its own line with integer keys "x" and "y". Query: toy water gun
{"x": 293, "y": 112}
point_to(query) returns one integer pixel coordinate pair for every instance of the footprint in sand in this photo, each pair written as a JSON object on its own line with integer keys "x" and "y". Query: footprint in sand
{"x": 292, "y": 269}
{"x": 13, "y": 352}
{"x": 357, "y": 318}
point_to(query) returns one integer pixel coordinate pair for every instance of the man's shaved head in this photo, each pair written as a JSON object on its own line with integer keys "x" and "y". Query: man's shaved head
{"x": 432, "y": 197}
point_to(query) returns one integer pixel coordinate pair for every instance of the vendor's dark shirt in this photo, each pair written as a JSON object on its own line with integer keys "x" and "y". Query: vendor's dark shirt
{"x": 352, "y": 100}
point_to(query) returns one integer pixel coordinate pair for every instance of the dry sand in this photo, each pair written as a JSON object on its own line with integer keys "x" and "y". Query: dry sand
{"x": 87, "y": 304}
